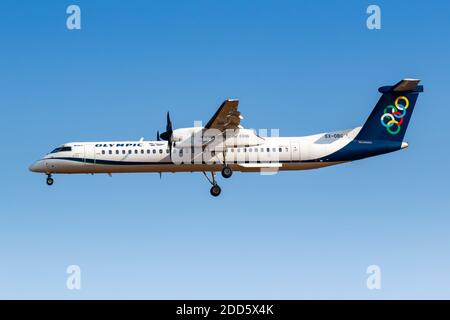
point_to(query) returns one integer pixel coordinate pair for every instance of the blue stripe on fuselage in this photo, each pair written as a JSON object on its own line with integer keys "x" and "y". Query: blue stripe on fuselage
{"x": 108, "y": 162}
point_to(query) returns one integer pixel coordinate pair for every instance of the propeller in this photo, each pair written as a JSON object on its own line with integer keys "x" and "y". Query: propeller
{"x": 157, "y": 136}
{"x": 167, "y": 135}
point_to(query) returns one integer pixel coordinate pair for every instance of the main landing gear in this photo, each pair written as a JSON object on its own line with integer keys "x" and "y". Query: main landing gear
{"x": 49, "y": 180}
{"x": 227, "y": 172}
{"x": 215, "y": 189}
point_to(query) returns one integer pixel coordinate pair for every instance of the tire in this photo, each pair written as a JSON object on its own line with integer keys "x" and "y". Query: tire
{"x": 227, "y": 172}
{"x": 215, "y": 191}
{"x": 49, "y": 181}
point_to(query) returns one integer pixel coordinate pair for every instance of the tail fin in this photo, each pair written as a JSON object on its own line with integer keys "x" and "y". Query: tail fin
{"x": 390, "y": 117}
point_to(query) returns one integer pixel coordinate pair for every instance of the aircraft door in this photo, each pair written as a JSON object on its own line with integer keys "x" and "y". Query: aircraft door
{"x": 295, "y": 151}
{"x": 78, "y": 151}
{"x": 89, "y": 155}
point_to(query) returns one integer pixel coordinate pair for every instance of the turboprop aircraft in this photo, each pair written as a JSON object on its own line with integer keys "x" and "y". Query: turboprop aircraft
{"x": 223, "y": 145}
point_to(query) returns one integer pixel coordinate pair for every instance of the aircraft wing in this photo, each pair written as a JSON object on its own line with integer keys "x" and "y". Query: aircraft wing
{"x": 226, "y": 117}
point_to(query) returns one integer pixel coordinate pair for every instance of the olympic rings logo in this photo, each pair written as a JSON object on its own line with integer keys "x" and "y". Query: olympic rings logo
{"x": 393, "y": 115}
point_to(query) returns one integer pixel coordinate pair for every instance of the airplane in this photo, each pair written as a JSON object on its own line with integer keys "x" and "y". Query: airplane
{"x": 223, "y": 145}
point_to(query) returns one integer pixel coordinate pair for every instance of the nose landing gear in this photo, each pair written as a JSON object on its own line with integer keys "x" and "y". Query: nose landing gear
{"x": 49, "y": 180}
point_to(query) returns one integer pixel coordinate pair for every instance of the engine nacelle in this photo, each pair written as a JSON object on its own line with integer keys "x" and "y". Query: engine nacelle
{"x": 242, "y": 138}
{"x": 198, "y": 137}
{"x": 186, "y": 136}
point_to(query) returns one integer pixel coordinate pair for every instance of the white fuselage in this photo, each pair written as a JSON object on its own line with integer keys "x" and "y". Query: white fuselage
{"x": 280, "y": 153}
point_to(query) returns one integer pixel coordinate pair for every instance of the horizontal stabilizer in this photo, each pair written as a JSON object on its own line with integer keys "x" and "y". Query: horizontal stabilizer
{"x": 404, "y": 85}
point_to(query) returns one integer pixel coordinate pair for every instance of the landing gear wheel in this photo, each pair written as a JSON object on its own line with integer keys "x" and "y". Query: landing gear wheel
{"x": 227, "y": 172}
{"x": 215, "y": 190}
{"x": 49, "y": 181}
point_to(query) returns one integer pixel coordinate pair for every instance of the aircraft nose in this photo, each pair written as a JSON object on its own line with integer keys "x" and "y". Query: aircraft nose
{"x": 32, "y": 167}
{"x": 37, "y": 166}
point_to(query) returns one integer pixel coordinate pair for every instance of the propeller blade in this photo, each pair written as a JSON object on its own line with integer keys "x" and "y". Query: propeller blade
{"x": 157, "y": 136}
{"x": 169, "y": 123}
{"x": 169, "y": 130}
{"x": 166, "y": 136}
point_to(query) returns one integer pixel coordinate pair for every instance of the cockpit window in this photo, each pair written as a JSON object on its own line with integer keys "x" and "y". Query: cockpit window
{"x": 61, "y": 149}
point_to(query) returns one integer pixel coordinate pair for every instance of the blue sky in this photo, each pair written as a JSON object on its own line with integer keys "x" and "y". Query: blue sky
{"x": 302, "y": 67}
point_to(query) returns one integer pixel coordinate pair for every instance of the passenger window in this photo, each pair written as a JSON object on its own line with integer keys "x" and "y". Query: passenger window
{"x": 154, "y": 151}
{"x": 135, "y": 151}
{"x": 123, "y": 151}
{"x": 117, "y": 151}
{"x": 103, "y": 151}
{"x": 160, "y": 151}
{"x": 262, "y": 149}
{"x": 167, "y": 150}
{"x": 110, "y": 152}
{"x": 274, "y": 150}
{"x": 130, "y": 151}
{"x": 148, "y": 151}
{"x": 280, "y": 150}
{"x": 268, "y": 149}
{"x": 142, "y": 151}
